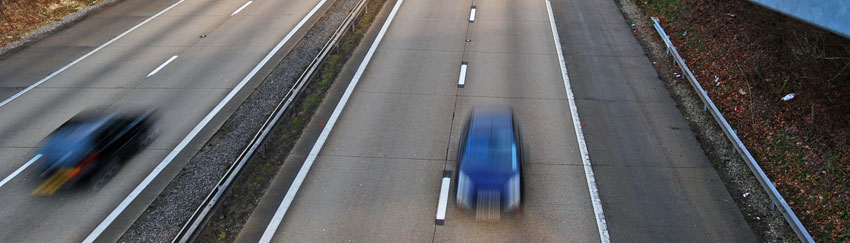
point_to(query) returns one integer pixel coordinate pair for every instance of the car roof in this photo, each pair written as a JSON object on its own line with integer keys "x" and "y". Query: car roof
{"x": 490, "y": 144}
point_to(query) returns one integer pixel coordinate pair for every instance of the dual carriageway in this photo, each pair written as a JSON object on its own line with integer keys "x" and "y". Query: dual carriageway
{"x": 376, "y": 168}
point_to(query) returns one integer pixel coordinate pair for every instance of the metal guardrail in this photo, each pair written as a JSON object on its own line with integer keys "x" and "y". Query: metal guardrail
{"x": 768, "y": 186}
{"x": 201, "y": 215}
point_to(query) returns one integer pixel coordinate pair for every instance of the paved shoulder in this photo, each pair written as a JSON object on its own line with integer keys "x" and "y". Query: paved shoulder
{"x": 655, "y": 181}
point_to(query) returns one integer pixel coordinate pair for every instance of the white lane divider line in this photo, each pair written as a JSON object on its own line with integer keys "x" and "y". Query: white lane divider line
{"x": 174, "y": 152}
{"x": 36, "y": 84}
{"x": 461, "y": 80}
{"x": 161, "y": 66}
{"x": 240, "y": 8}
{"x": 472, "y": 14}
{"x": 444, "y": 197}
{"x": 19, "y": 170}
{"x": 314, "y": 152}
{"x": 601, "y": 225}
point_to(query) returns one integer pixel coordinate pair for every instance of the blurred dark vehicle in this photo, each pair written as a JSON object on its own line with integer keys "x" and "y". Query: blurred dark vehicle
{"x": 92, "y": 146}
{"x": 490, "y": 162}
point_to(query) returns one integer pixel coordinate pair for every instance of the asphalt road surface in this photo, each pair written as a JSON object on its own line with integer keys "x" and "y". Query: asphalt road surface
{"x": 122, "y": 75}
{"x": 377, "y": 176}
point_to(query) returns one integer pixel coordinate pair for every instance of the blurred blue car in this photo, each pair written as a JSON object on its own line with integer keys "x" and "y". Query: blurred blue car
{"x": 490, "y": 161}
{"x": 92, "y": 146}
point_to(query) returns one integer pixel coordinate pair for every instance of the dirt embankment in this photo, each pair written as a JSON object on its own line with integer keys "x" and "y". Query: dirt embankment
{"x": 751, "y": 61}
{"x": 20, "y": 17}
{"x": 25, "y": 21}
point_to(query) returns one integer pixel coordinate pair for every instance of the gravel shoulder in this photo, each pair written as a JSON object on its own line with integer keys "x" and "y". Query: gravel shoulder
{"x": 751, "y": 198}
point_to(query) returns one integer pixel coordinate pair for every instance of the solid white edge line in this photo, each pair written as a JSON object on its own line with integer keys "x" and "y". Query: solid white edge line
{"x": 472, "y": 15}
{"x": 174, "y": 152}
{"x": 444, "y": 200}
{"x": 36, "y": 84}
{"x": 461, "y": 80}
{"x": 161, "y": 66}
{"x": 19, "y": 170}
{"x": 585, "y": 157}
{"x": 317, "y": 147}
{"x": 240, "y": 8}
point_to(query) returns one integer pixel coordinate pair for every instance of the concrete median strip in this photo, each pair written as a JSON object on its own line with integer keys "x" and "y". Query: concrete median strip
{"x": 199, "y": 218}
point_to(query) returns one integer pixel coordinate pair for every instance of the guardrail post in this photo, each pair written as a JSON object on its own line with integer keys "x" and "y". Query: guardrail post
{"x": 773, "y": 202}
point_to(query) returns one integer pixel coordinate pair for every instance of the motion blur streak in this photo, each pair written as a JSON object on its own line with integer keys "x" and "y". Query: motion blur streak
{"x": 54, "y": 182}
